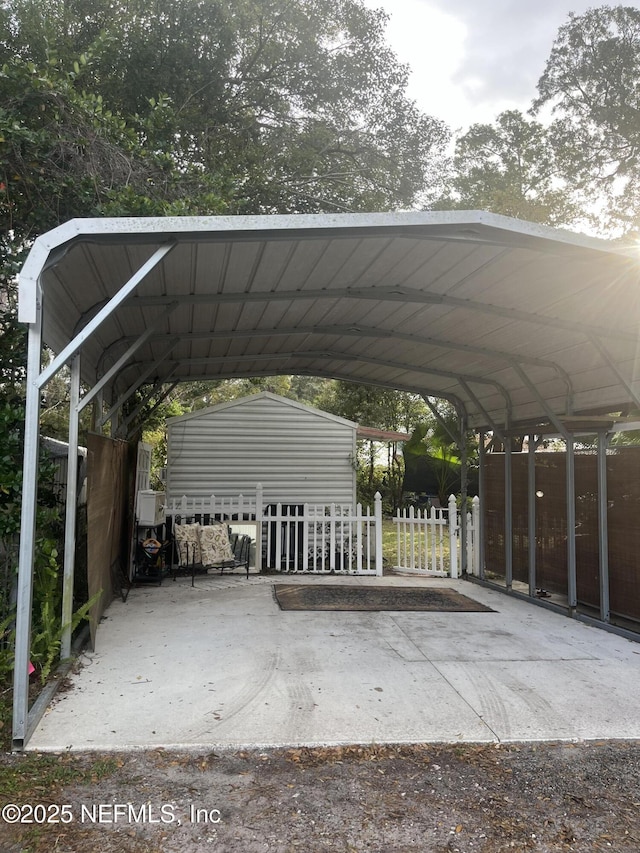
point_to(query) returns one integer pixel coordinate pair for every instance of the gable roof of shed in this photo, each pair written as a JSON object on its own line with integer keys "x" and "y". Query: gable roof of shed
{"x": 512, "y": 321}
{"x": 262, "y": 395}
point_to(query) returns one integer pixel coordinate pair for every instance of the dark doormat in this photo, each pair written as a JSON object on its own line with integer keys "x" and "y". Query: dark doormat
{"x": 345, "y": 597}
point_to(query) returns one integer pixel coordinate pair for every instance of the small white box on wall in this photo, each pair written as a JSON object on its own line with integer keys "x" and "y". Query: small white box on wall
{"x": 150, "y": 508}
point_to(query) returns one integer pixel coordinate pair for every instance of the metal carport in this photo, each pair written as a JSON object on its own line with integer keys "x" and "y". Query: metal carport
{"x": 525, "y": 329}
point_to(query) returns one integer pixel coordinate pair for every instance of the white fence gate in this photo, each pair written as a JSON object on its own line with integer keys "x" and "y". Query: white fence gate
{"x": 428, "y": 541}
{"x": 337, "y": 539}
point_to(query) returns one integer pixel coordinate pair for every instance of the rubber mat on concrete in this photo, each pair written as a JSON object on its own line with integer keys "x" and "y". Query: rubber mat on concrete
{"x": 345, "y": 597}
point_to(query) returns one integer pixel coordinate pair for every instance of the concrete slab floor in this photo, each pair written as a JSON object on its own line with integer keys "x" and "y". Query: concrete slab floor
{"x": 221, "y": 666}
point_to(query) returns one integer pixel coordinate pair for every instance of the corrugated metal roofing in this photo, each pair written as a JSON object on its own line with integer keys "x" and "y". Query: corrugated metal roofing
{"x": 512, "y": 321}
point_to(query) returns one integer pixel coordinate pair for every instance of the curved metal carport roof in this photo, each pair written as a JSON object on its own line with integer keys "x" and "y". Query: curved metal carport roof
{"x": 512, "y": 320}
{"x": 521, "y": 326}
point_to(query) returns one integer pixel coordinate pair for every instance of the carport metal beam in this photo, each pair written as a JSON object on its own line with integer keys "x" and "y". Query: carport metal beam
{"x": 342, "y": 356}
{"x": 358, "y": 330}
{"x": 117, "y": 406}
{"x": 121, "y": 296}
{"x": 392, "y": 294}
{"x": 120, "y": 363}
{"x": 36, "y": 379}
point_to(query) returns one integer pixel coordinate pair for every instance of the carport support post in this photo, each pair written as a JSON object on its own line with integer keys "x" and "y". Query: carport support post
{"x": 481, "y": 494}
{"x": 70, "y": 511}
{"x": 27, "y": 531}
{"x": 508, "y": 514}
{"x": 572, "y": 594}
{"x": 463, "y": 493}
{"x": 531, "y": 512}
{"x": 603, "y": 530}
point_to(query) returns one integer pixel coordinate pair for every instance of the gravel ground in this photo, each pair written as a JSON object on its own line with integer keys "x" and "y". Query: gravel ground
{"x": 466, "y": 798}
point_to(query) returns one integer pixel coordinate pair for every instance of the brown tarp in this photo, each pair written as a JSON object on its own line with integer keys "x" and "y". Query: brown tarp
{"x": 623, "y": 488}
{"x": 107, "y": 502}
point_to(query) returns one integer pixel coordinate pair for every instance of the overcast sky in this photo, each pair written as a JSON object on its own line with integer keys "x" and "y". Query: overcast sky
{"x": 471, "y": 59}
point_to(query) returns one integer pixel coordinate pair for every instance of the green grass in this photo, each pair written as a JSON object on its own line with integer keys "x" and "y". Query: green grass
{"x": 390, "y": 543}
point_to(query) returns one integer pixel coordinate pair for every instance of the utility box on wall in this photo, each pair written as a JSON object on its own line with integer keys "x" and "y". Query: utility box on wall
{"x": 299, "y": 454}
{"x": 150, "y": 508}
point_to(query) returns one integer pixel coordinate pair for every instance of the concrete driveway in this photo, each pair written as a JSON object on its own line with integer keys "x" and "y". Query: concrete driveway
{"x": 221, "y": 666}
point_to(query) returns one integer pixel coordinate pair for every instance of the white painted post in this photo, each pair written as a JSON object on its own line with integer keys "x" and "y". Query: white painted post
{"x": 412, "y": 537}
{"x": 259, "y": 521}
{"x": 359, "y": 539}
{"x": 305, "y": 537}
{"x": 71, "y": 510}
{"x": 378, "y": 532}
{"x": 475, "y": 516}
{"x": 453, "y": 538}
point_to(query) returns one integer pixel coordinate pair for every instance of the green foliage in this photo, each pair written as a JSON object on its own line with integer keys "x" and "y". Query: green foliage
{"x": 509, "y": 167}
{"x": 372, "y": 406}
{"x": 276, "y": 106}
{"x": 592, "y": 83}
{"x": 433, "y": 455}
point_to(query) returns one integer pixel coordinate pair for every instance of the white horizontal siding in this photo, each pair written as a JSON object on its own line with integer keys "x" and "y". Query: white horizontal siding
{"x": 298, "y": 454}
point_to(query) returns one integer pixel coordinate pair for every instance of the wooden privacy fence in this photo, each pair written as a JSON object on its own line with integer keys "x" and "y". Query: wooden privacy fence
{"x": 429, "y": 542}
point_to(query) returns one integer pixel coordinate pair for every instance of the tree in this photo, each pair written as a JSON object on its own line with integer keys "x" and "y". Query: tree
{"x": 432, "y": 456}
{"x": 297, "y": 105}
{"x": 592, "y": 84}
{"x": 509, "y": 167}
{"x": 384, "y": 408}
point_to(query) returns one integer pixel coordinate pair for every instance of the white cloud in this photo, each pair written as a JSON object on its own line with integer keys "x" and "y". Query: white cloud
{"x": 471, "y": 59}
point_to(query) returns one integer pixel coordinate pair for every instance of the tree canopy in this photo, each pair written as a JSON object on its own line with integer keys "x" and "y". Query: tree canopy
{"x": 510, "y": 167}
{"x": 290, "y": 106}
{"x": 592, "y": 84}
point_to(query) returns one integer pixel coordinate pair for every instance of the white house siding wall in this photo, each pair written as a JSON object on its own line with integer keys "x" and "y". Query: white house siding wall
{"x": 297, "y": 453}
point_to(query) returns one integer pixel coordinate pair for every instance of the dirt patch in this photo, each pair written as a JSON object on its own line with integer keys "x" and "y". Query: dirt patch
{"x": 470, "y": 799}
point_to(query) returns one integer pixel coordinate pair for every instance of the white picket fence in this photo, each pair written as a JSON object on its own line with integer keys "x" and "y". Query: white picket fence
{"x": 342, "y": 539}
{"x": 310, "y": 538}
{"x": 429, "y": 542}
{"x": 318, "y": 539}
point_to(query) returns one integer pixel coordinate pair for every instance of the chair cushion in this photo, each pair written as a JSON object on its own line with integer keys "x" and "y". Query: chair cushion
{"x": 188, "y": 542}
{"x": 214, "y": 543}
